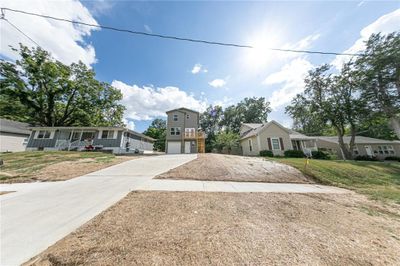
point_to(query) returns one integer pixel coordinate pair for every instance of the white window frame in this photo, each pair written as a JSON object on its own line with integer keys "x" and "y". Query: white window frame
{"x": 190, "y": 132}
{"x": 250, "y": 145}
{"x": 386, "y": 150}
{"x": 47, "y": 134}
{"x": 110, "y": 134}
{"x": 175, "y": 131}
{"x": 272, "y": 144}
{"x": 175, "y": 117}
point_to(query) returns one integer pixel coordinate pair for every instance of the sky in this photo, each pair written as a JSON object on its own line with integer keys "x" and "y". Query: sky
{"x": 156, "y": 75}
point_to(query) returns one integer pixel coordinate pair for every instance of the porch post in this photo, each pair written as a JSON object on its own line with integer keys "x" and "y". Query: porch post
{"x": 70, "y": 138}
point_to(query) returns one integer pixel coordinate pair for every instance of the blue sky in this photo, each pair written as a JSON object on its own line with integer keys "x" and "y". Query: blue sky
{"x": 155, "y": 74}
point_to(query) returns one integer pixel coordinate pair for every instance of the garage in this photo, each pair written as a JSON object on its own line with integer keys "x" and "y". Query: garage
{"x": 174, "y": 147}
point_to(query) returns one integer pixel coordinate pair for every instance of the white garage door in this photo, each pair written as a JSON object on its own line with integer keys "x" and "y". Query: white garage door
{"x": 174, "y": 147}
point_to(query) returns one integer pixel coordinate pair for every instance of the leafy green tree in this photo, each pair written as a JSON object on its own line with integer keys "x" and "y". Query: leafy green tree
{"x": 249, "y": 110}
{"x": 226, "y": 139}
{"x": 42, "y": 91}
{"x": 211, "y": 124}
{"x": 157, "y": 130}
{"x": 380, "y": 75}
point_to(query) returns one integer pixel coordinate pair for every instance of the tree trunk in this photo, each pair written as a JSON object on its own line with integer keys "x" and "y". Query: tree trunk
{"x": 395, "y": 124}
{"x": 345, "y": 151}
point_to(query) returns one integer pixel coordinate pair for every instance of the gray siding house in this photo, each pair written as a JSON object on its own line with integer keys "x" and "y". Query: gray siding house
{"x": 13, "y": 135}
{"x": 118, "y": 140}
{"x": 183, "y": 135}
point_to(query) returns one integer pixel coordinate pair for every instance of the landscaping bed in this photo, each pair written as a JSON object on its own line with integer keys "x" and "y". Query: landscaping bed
{"x": 195, "y": 228}
{"x": 220, "y": 167}
{"x": 53, "y": 166}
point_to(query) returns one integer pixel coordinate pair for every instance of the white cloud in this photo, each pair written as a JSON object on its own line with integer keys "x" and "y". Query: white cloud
{"x": 385, "y": 24}
{"x": 129, "y": 124}
{"x": 148, "y": 29}
{"x": 197, "y": 68}
{"x": 64, "y": 40}
{"x": 217, "y": 83}
{"x": 291, "y": 76}
{"x": 225, "y": 102}
{"x": 146, "y": 103}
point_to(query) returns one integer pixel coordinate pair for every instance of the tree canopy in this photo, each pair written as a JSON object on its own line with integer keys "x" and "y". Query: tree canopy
{"x": 157, "y": 130}
{"x": 43, "y": 91}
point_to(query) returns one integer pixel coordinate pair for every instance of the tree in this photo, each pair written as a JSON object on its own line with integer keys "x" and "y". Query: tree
{"x": 249, "y": 110}
{"x": 42, "y": 91}
{"x": 335, "y": 100}
{"x": 211, "y": 124}
{"x": 226, "y": 139}
{"x": 380, "y": 75}
{"x": 157, "y": 130}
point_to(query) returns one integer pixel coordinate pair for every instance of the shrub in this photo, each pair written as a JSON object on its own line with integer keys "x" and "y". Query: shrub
{"x": 320, "y": 155}
{"x": 392, "y": 158}
{"x": 294, "y": 154}
{"x": 266, "y": 153}
{"x": 365, "y": 158}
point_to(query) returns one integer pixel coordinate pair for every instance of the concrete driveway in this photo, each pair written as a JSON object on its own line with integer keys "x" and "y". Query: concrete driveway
{"x": 39, "y": 214}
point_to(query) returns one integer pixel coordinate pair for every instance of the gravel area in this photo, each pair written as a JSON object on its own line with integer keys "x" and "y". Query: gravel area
{"x": 195, "y": 228}
{"x": 220, "y": 167}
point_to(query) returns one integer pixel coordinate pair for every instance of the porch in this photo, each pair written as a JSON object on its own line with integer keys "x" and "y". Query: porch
{"x": 305, "y": 144}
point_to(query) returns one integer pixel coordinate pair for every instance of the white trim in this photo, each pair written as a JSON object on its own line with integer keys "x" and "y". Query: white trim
{"x": 259, "y": 142}
{"x": 279, "y": 144}
{"x": 100, "y": 134}
{"x": 115, "y": 134}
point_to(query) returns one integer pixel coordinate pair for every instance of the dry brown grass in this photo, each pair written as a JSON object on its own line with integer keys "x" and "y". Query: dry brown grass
{"x": 220, "y": 167}
{"x": 195, "y": 228}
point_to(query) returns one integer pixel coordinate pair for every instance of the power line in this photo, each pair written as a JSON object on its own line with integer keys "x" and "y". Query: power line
{"x": 15, "y": 27}
{"x": 173, "y": 37}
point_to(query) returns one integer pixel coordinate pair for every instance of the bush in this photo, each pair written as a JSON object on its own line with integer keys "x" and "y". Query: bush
{"x": 266, "y": 153}
{"x": 365, "y": 158}
{"x": 392, "y": 158}
{"x": 294, "y": 154}
{"x": 320, "y": 155}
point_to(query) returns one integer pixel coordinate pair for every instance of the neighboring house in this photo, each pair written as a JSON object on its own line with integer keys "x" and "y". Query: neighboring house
{"x": 13, "y": 135}
{"x": 274, "y": 137}
{"x": 183, "y": 134}
{"x": 117, "y": 139}
{"x": 363, "y": 146}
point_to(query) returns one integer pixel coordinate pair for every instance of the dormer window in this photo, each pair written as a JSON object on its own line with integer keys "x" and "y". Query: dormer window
{"x": 175, "y": 117}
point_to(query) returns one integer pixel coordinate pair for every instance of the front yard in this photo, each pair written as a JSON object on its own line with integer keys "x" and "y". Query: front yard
{"x": 378, "y": 180}
{"x": 196, "y": 228}
{"x": 52, "y": 166}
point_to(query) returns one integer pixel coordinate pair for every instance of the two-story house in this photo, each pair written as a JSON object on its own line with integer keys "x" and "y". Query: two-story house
{"x": 183, "y": 135}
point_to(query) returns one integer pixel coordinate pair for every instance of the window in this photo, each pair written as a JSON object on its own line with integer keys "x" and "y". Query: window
{"x": 250, "y": 145}
{"x": 175, "y": 131}
{"x": 386, "y": 149}
{"x": 190, "y": 133}
{"x": 175, "y": 117}
{"x": 275, "y": 144}
{"x": 44, "y": 134}
{"x": 187, "y": 116}
{"x": 107, "y": 134}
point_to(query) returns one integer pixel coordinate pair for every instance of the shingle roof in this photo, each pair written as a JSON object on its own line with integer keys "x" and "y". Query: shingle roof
{"x": 252, "y": 125}
{"x": 256, "y": 130}
{"x": 9, "y": 126}
{"x": 358, "y": 140}
{"x": 182, "y": 109}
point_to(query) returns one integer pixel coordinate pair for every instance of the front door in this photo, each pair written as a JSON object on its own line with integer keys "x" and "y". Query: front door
{"x": 187, "y": 146}
{"x": 368, "y": 150}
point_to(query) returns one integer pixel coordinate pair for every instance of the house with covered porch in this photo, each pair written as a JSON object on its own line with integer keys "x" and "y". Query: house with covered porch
{"x": 117, "y": 140}
{"x": 274, "y": 137}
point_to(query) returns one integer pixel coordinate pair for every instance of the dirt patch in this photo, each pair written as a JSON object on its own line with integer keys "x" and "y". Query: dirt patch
{"x": 5, "y": 192}
{"x": 195, "y": 228}
{"x": 68, "y": 169}
{"x": 219, "y": 167}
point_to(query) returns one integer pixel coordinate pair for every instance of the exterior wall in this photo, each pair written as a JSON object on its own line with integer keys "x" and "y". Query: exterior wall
{"x": 246, "y": 148}
{"x": 42, "y": 143}
{"x": 274, "y": 131}
{"x": 12, "y": 142}
{"x": 183, "y": 122}
{"x": 331, "y": 147}
{"x": 116, "y": 142}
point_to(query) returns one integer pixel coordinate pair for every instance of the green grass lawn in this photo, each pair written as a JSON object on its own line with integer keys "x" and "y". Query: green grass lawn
{"x": 378, "y": 180}
{"x": 19, "y": 164}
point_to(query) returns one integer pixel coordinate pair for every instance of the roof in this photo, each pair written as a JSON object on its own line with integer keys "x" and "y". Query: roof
{"x": 96, "y": 128}
{"x": 252, "y": 125}
{"x": 9, "y": 126}
{"x": 255, "y": 130}
{"x": 358, "y": 140}
{"x": 182, "y": 109}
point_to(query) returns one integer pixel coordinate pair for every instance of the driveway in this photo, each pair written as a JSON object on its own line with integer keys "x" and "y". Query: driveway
{"x": 39, "y": 214}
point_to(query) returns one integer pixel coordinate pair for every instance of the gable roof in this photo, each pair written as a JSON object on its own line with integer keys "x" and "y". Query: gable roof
{"x": 9, "y": 126}
{"x": 256, "y": 130}
{"x": 252, "y": 125}
{"x": 358, "y": 140}
{"x": 182, "y": 109}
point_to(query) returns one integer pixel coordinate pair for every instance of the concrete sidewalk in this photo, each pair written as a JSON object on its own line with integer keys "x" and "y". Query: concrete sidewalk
{"x": 223, "y": 186}
{"x": 39, "y": 214}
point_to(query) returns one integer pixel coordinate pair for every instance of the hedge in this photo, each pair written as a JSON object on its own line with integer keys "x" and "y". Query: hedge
{"x": 266, "y": 153}
{"x": 294, "y": 154}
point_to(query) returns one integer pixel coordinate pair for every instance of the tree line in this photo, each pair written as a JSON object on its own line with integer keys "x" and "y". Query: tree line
{"x": 362, "y": 99}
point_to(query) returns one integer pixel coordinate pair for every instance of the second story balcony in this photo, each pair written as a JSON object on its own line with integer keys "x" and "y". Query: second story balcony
{"x": 193, "y": 134}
